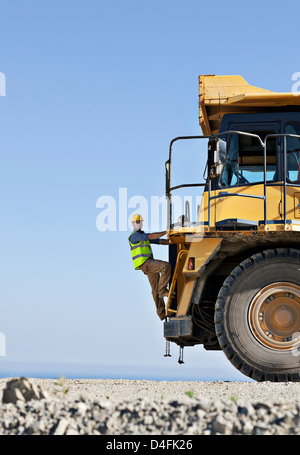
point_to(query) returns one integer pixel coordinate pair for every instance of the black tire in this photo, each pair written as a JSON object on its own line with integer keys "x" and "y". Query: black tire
{"x": 244, "y": 314}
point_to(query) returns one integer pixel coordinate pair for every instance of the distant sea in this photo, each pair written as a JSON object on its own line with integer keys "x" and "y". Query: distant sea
{"x": 132, "y": 372}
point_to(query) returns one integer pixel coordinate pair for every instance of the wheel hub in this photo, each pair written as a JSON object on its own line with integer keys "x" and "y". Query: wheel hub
{"x": 283, "y": 317}
{"x": 274, "y": 316}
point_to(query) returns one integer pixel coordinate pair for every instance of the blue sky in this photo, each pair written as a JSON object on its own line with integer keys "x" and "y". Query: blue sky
{"x": 95, "y": 91}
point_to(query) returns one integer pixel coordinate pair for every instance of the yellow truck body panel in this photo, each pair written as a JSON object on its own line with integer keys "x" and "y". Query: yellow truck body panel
{"x": 220, "y": 95}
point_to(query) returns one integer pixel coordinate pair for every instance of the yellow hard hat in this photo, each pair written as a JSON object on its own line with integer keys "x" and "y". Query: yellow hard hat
{"x": 137, "y": 217}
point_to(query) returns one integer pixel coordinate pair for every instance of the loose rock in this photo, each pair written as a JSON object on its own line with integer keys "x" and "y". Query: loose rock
{"x": 27, "y": 409}
{"x": 22, "y": 389}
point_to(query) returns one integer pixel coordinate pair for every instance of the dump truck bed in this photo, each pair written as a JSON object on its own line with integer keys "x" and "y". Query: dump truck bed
{"x": 220, "y": 95}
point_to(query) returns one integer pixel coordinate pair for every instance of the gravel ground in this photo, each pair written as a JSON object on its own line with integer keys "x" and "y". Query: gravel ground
{"x": 118, "y": 390}
{"x": 142, "y": 407}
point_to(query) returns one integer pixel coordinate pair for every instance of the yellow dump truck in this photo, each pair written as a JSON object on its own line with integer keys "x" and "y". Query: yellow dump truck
{"x": 236, "y": 267}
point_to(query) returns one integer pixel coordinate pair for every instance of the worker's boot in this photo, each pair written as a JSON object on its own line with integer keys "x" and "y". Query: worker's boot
{"x": 161, "y": 310}
{"x": 162, "y": 315}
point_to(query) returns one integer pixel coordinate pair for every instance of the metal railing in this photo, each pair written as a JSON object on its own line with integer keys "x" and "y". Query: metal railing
{"x": 262, "y": 143}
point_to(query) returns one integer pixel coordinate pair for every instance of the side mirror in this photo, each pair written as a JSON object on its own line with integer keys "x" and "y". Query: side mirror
{"x": 216, "y": 157}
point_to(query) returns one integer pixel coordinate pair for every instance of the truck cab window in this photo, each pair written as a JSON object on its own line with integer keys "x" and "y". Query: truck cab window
{"x": 245, "y": 161}
{"x": 292, "y": 152}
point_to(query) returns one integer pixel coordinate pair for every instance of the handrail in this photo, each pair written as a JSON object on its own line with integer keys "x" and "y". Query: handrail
{"x": 284, "y": 135}
{"x": 263, "y": 144}
{"x": 169, "y": 162}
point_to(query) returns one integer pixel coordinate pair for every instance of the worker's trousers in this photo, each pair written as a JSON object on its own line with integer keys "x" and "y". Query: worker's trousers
{"x": 158, "y": 273}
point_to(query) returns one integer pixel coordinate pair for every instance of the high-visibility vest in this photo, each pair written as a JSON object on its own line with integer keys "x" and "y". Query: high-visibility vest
{"x": 140, "y": 252}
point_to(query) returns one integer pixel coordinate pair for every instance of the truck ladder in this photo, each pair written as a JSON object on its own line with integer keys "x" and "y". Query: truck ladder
{"x": 180, "y": 261}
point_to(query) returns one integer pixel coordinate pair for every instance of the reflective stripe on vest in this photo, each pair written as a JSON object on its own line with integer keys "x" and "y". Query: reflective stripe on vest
{"x": 140, "y": 252}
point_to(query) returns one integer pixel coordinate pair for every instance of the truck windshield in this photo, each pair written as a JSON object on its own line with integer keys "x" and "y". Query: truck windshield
{"x": 245, "y": 163}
